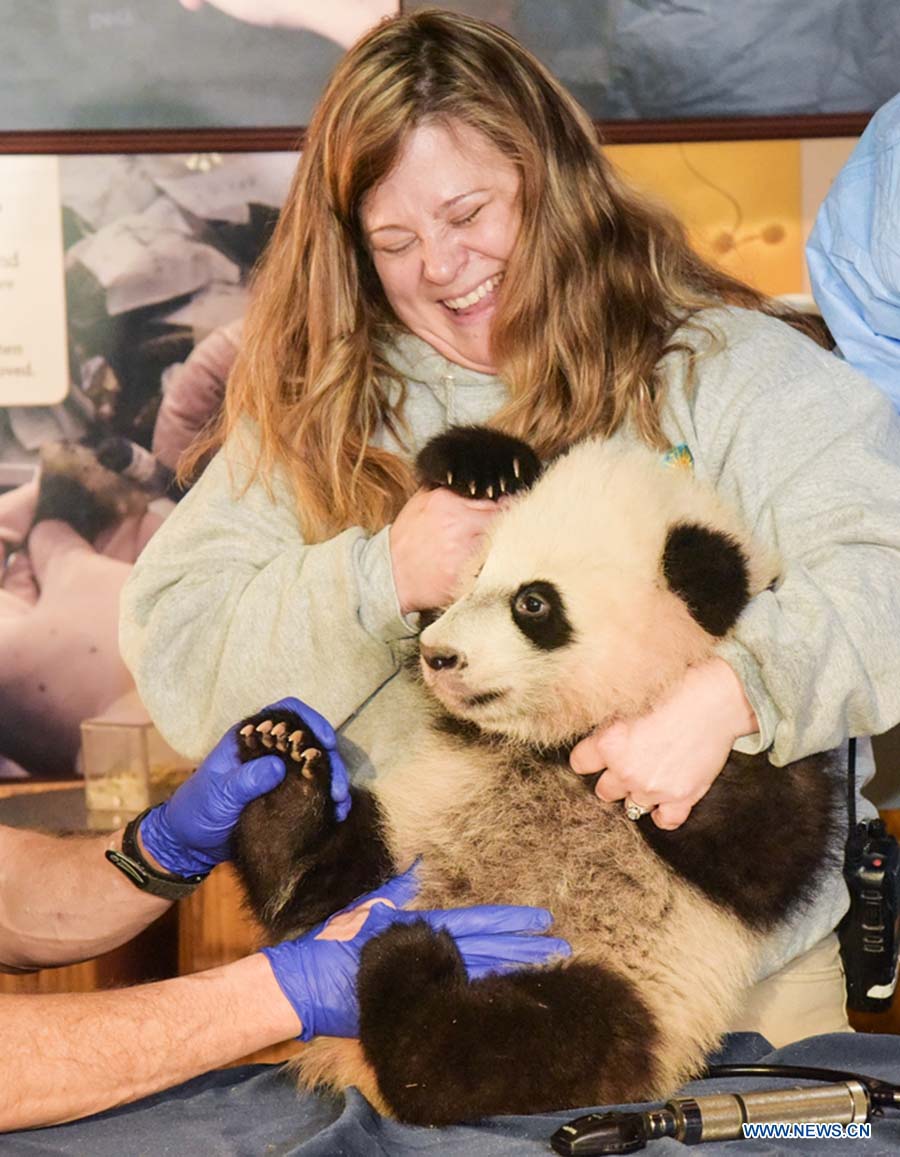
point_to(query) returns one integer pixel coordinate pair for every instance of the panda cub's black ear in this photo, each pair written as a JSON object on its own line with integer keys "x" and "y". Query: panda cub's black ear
{"x": 708, "y": 570}
{"x": 477, "y": 462}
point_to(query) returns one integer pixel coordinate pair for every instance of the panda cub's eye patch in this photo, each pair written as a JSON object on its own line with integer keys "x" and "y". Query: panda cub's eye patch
{"x": 540, "y": 614}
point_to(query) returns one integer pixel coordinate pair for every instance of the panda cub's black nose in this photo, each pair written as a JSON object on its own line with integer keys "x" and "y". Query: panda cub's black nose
{"x": 437, "y": 659}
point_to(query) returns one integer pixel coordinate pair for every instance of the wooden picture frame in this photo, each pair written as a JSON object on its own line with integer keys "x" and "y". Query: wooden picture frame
{"x": 290, "y": 139}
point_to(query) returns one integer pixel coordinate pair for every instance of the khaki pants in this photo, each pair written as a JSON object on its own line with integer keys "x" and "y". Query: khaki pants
{"x": 805, "y": 998}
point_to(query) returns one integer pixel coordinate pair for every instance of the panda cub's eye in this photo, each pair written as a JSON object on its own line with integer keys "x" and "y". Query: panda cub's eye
{"x": 531, "y": 605}
{"x": 540, "y": 614}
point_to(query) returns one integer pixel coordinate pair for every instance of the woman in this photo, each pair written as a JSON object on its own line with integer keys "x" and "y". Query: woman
{"x": 455, "y": 248}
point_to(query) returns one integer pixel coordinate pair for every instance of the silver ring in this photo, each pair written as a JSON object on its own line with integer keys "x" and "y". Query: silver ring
{"x": 634, "y": 811}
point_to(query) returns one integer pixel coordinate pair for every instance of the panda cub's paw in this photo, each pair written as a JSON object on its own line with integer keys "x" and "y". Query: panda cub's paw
{"x": 477, "y": 462}
{"x": 277, "y": 732}
{"x": 281, "y": 836}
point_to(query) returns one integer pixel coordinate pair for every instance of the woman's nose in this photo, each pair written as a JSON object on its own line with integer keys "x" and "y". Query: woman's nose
{"x": 442, "y": 258}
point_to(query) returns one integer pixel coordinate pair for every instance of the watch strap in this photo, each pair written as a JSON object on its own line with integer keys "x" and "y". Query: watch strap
{"x": 131, "y": 862}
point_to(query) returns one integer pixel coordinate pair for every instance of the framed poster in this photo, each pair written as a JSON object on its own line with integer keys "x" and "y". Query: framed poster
{"x": 201, "y": 75}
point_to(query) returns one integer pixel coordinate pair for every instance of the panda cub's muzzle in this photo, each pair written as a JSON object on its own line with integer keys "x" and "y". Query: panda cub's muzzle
{"x": 443, "y": 671}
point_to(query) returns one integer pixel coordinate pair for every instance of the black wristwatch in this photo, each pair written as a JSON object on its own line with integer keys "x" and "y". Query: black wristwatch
{"x": 131, "y": 862}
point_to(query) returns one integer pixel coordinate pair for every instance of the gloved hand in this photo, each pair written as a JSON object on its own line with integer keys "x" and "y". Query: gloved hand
{"x": 191, "y": 832}
{"x": 327, "y": 740}
{"x": 317, "y": 974}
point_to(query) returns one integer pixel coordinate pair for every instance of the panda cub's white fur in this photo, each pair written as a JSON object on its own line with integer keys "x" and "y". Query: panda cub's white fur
{"x": 568, "y": 621}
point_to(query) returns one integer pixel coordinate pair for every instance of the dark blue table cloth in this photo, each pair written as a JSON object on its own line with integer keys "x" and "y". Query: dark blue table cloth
{"x": 256, "y": 1111}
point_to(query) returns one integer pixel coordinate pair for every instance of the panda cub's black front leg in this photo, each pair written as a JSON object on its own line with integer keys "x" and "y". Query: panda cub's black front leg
{"x": 297, "y": 861}
{"x": 477, "y": 462}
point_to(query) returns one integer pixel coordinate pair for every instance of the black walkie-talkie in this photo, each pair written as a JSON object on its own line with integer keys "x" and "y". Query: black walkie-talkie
{"x": 870, "y": 931}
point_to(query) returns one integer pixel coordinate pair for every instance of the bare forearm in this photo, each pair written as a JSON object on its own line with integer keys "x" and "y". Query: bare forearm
{"x": 62, "y": 901}
{"x": 67, "y": 1056}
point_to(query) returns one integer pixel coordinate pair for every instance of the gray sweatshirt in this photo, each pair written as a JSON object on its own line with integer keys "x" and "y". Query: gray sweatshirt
{"x": 227, "y": 609}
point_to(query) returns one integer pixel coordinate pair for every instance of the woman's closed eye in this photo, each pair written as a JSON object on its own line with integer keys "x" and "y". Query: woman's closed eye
{"x": 396, "y": 247}
{"x": 469, "y": 217}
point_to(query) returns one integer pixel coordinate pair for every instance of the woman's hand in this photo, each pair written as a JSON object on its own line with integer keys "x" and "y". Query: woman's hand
{"x": 668, "y": 759}
{"x": 431, "y": 539}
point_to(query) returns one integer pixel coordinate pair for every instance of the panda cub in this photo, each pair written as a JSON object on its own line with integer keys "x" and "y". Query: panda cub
{"x": 598, "y": 586}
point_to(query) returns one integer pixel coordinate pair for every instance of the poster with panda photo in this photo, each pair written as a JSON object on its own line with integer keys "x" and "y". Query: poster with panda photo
{"x": 158, "y": 250}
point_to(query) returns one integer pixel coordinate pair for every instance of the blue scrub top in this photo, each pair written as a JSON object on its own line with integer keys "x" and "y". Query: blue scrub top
{"x": 854, "y": 253}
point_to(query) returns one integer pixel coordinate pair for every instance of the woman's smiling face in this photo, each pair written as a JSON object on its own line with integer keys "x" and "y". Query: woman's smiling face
{"x": 440, "y": 228}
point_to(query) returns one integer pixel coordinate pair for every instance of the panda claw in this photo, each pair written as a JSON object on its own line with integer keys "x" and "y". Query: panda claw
{"x": 502, "y": 485}
{"x": 490, "y": 491}
{"x": 309, "y": 758}
{"x": 517, "y": 469}
{"x": 278, "y": 734}
{"x": 249, "y": 736}
{"x": 264, "y": 730}
{"x": 295, "y": 739}
{"x": 473, "y": 489}
{"x": 449, "y": 477}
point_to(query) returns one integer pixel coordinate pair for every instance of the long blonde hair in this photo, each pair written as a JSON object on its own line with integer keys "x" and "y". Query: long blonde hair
{"x": 594, "y": 289}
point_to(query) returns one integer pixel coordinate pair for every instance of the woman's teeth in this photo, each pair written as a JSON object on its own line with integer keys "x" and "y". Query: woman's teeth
{"x": 476, "y": 295}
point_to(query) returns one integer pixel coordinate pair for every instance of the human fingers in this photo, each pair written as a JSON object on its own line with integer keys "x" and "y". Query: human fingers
{"x": 611, "y": 787}
{"x": 669, "y": 816}
{"x": 488, "y": 918}
{"x": 586, "y": 758}
{"x": 255, "y": 778}
{"x": 486, "y": 954}
{"x": 340, "y": 787}
{"x": 634, "y": 809}
{"x": 479, "y": 505}
{"x": 399, "y": 890}
{"x": 345, "y": 925}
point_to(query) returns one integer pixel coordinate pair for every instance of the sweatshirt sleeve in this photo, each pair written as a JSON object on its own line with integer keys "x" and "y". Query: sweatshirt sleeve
{"x": 227, "y": 609}
{"x": 810, "y": 451}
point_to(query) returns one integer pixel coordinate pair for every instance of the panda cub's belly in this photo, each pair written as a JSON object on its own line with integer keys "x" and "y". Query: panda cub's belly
{"x": 546, "y": 840}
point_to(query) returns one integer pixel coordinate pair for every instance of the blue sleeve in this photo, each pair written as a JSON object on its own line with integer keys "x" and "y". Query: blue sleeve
{"x": 854, "y": 254}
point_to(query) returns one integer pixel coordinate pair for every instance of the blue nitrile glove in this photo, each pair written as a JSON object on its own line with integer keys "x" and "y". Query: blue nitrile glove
{"x": 327, "y": 740}
{"x": 318, "y": 976}
{"x": 191, "y": 832}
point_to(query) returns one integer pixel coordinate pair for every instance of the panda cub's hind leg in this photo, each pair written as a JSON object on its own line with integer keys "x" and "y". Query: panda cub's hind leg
{"x": 297, "y": 862}
{"x": 445, "y": 1049}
